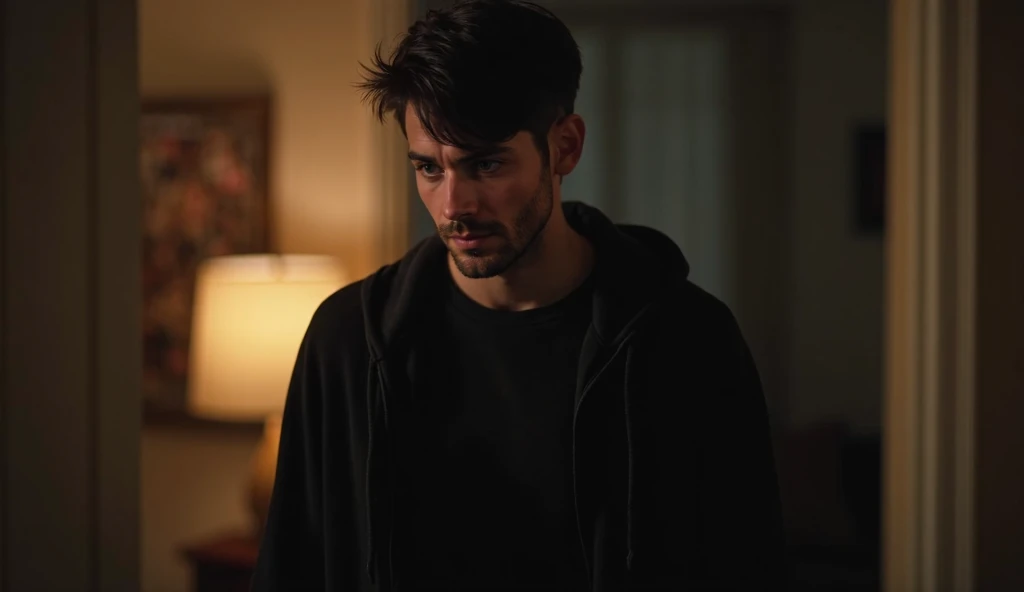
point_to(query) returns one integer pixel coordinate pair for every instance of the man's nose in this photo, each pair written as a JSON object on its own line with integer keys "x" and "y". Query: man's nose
{"x": 460, "y": 200}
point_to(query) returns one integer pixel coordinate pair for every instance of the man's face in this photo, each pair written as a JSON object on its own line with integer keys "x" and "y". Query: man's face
{"x": 489, "y": 206}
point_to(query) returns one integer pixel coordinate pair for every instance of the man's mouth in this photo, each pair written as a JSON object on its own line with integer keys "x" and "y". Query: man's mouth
{"x": 470, "y": 241}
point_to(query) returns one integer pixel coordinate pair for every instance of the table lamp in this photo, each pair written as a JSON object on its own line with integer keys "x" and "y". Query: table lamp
{"x": 251, "y": 312}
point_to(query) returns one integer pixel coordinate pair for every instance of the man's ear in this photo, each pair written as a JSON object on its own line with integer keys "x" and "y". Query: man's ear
{"x": 565, "y": 142}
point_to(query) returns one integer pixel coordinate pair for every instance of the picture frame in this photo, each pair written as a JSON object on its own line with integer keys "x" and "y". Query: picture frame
{"x": 870, "y": 180}
{"x": 204, "y": 166}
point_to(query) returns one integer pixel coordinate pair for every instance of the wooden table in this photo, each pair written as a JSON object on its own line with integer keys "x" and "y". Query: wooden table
{"x": 224, "y": 563}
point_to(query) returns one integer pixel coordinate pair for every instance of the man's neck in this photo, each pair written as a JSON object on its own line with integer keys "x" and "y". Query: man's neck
{"x": 555, "y": 265}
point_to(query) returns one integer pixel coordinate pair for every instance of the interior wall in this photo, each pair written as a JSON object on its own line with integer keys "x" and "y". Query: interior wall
{"x": 999, "y": 486}
{"x": 840, "y": 62}
{"x": 307, "y": 60}
{"x": 193, "y": 488}
{"x": 322, "y": 201}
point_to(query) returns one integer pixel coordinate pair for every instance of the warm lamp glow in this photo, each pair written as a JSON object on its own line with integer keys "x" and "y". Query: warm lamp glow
{"x": 251, "y": 312}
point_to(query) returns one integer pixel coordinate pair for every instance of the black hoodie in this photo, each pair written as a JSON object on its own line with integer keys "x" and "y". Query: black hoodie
{"x": 674, "y": 477}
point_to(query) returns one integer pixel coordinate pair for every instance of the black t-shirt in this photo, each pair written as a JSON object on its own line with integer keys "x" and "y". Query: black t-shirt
{"x": 490, "y": 500}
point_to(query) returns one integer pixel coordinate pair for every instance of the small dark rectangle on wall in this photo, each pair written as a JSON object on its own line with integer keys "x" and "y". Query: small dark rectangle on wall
{"x": 869, "y": 176}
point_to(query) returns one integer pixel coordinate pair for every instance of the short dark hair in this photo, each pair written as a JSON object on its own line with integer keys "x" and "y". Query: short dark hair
{"x": 480, "y": 72}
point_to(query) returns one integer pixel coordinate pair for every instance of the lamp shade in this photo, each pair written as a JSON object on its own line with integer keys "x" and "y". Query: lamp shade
{"x": 251, "y": 312}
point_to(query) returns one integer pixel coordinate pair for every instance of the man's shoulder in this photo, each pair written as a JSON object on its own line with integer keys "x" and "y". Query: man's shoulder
{"x": 692, "y": 304}
{"x": 339, "y": 318}
{"x": 696, "y": 321}
{"x": 344, "y": 318}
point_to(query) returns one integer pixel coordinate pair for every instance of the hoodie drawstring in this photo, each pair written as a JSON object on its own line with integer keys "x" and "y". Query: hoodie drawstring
{"x": 377, "y": 422}
{"x": 630, "y": 530}
{"x": 371, "y": 400}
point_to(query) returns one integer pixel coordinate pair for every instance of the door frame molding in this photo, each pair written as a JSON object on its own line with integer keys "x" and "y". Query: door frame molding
{"x": 70, "y": 297}
{"x": 928, "y": 520}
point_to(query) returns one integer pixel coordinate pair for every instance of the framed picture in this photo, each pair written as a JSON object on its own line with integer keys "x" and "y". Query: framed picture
{"x": 870, "y": 183}
{"x": 204, "y": 184}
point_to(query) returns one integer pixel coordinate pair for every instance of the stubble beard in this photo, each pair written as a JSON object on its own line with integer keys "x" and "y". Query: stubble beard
{"x": 514, "y": 242}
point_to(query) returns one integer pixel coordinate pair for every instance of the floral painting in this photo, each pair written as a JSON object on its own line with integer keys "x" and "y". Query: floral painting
{"x": 204, "y": 181}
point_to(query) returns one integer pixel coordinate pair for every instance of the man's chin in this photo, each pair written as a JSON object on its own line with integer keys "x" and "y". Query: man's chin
{"x": 476, "y": 265}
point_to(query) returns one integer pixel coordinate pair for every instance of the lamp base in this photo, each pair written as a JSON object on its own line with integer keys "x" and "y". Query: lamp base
{"x": 262, "y": 469}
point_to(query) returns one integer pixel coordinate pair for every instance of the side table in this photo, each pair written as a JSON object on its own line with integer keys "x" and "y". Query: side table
{"x": 223, "y": 563}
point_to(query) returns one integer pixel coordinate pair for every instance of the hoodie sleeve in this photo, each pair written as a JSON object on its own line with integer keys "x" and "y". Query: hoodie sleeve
{"x": 743, "y": 525}
{"x": 291, "y": 553}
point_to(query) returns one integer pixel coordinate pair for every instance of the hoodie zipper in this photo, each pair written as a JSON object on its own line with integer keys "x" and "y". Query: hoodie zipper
{"x": 575, "y": 489}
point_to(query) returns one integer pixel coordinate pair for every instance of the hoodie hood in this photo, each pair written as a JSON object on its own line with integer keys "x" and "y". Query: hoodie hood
{"x": 635, "y": 264}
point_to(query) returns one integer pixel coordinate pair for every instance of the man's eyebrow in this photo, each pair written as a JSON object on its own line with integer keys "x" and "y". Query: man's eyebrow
{"x": 485, "y": 152}
{"x": 421, "y": 157}
{"x": 477, "y": 154}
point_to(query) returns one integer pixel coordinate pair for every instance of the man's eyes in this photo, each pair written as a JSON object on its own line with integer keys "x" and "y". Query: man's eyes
{"x": 485, "y": 166}
{"x": 428, "y": 169}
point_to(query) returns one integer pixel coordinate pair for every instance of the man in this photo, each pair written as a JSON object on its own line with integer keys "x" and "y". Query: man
{"x": 534, "y": 399}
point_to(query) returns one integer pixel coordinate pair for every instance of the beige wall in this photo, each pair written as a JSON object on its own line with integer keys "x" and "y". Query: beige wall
{"x": 322, "y": 201}
{"x": 306, "y": 58}
{"x": 840, "y": 67}
{"x": 193, "y": 487}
